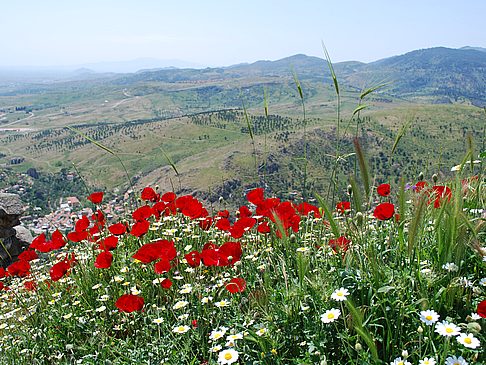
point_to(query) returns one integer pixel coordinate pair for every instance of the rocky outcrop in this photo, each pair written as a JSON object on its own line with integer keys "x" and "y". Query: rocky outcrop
{"x": 13, "y": 237}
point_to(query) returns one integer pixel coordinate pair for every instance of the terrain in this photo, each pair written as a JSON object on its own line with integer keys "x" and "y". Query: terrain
{"x": 187, "y": 130}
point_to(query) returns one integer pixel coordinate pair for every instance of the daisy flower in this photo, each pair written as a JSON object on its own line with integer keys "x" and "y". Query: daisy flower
{"x": 228, "y": 356}
{"x": 180, "y": 304}
{"x": 399, "y": 361}
{"x": 261, "y": 331}
{"x": 340, "y": 294}
{"x": 158, "y": 320}
{"x": 429, "y": 317}
{"x": 468, "y": 340}
{"x": 453, "y": 360}
{"x": 180, "y": 329}
{"x": 427, "y": 361}
{"x": 330, "y": 315}
{"x": 236, "y": 336}
{"x": 445, "y": 328}
{"x": 216, "y": 335}
{"x": 222, "y": 303}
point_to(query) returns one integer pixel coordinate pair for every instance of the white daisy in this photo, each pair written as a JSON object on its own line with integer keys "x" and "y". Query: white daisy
{"x": 447, "y": 329}
{"x": 158, "y": 320}
{"x": 340, "y": 294}
{"x": 180, "y": 329}
{"x": 228, "y": 356}
{"x": 453, "y": 360}
{"x": 429, "y": 317}
{"x": 468, "y": 340}
{"x": 222, "y": 303}
{"x": 427, "y": 361}
{"x": 180, "y": 304}
{"x": 330, "y": 315}
{"x": 399, "y": 361}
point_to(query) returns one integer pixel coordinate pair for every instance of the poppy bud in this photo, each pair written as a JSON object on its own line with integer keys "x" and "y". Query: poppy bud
{"x": 421, "y": 176}
{"x": 358, "y": 347}
{"x": 221, "y": 199}
{"x": 156, "y": 187}
{"x": 420, "y": 329}
{"x": 435, "y": 178}
{"x": 292, "y": 238}
{"x": 359, "y": 218}
{"x": 473, "y": 327}
{"x": 350, "y": 190}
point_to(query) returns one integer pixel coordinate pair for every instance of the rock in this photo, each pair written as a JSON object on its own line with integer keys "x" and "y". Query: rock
{"x": 14, "y": 238}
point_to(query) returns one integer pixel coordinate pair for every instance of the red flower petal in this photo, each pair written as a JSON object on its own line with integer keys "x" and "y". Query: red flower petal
{"x": 384, "y": 211}
{"x": 59, "y": 270}
{"x": 96, "y": 197}
{"x": 129, "y": 303}
{"x": 255, "y": 196}
{"x": 166, "y": 283}
{"x": 383, "y": 190}
{"x": 28, "y": 255}
{"x": 343, "y": 206}
{"x": 117, "y": 229}
{"x": 193, "y": 258}
{"x": 482, "y": 309}
{"x": 19, "y": 268}
{"x": 140, "y": 228}
{"x": 162, "y": 266}
{"x": 236, "y": 285}
{"x": 149, "y": 194}
{"x": 104, "y": 260}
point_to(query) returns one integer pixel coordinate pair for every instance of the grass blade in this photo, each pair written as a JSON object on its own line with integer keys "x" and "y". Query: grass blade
{"x": 363, "y": 166}
{"x": 332, "y": 222}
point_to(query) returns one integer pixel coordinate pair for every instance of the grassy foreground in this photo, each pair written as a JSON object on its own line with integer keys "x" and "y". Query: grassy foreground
{"x": 394, "y": 275}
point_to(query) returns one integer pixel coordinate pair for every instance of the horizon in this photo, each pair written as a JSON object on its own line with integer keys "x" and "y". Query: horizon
{"x": 217, "y": 34}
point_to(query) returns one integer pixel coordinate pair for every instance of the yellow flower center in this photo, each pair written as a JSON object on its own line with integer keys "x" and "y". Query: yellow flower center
{"x": 467, "y": 340}
{"x": 228, "y": 356}
{"x": 449, "y": 330}
{"x": 428, "y": 318}
{"x": 330, "y": 316}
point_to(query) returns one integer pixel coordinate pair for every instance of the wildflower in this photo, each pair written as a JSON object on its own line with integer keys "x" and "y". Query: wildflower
{"x": 100, "y": 309}
{"x": 180, "y": 329}
{"x": 180, "y": 304}
{"x": 427, "y": 361}
{"x": 216, "y": 335}
{"x": 468, "y": 340}
{"x": 261, "y": 332}
{"x": 453, "y": 360}
{"x": 206, "y": 300}
{"x": 222, "y": 303}
{"x": 482, "y": 282}
{"x": 399, "y": 361}
{"x": 96, "y": 286}
{"x": 330, "y": 315}
{"x": 96, "y": 197}
{"x": 340, "y": 294}
{"x": 158, "y": 320}
{"x": 216, "y": 348}
{"x": 236, "y": 336}
{"x": 302, "y": 249}
{"x": 384, "y": 211}
{"x": 445, "y": 328}
{"x": 383, "y": 190}
{"x": 228, "y": 356}
{"x": 450, "y": 266}
{"x": 129, "y": 303}
{"x": 429, "y": 317}
{"x": 236, "y": 285}
{"x": 67, "y": 316}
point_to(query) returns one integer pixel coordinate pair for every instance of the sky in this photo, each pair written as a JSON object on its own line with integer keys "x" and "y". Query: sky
{"x": 225, "y": 32}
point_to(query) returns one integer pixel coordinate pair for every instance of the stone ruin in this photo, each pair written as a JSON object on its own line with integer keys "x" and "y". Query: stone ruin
{"x": 14, "y": 238}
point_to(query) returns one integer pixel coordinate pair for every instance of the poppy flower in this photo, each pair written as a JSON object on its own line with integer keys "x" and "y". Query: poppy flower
{"x": 256, "y": 196}
{"x": 339, "y": 244}
{"x": 206, "y": 223}
{"x": 117, "y": 229}
{"x": 140, "y": 228}
{"x": 263, "y": 228}
{"x": 482, "y": 309}
{"x": 96, "y": 197}
{"x": 2, "y": 285}
{"x": 384, "y": 211}
{"x": 419, "y": 186}
{"x": 152, "y": 251}
{"x": 2, "y": 272}
{"x": 103, "y": 260}
{"x": 236, "y": 285}
{"x": 209, "y": 257}
{"x": 149, "y": 194}
{"x": 109, "y": 243}
{"x": 343, "y": 206}
{"x": 82, "y": 224}
{"x": 166, "y": 283}
{"x": 383, "y": 190}
{"x": 129, "y": 303}
{"x": 162, "y": 266}
{"x": 193, "y": 258}
{"x": 229, "y": 253}
{"x": 223, "y": 214}
{"x": 77, "y": 236}
{"x": 142, "y": 213}
{"x": 244, "y": 212}
{"x": 59, "y": 270}
{"x": 19, "y": 268}
{"x": 440, "y": 194}
{"x": 168, "y": 197}
{"x": 223, "y": 224}
{"x": 30, "y": 285}
{"x": 28, "y": 255}
{"x": 305, "y": 208}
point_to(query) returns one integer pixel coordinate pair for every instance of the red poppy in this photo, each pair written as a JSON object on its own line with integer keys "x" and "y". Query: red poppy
{"x": 168, "y": 197}
{"x": 77, "y": 236}
{"x": 339, "y": 244}
{"x": 129, "y": 303}
{"x": 482, "y": 309}
{"x": 117, "y": 229}
{"x": 96, "y": 197}
{"x": 30, "y": 285}
{"x": 194, "y": 323}
{"x": 2, "y": 285}
{"x": 343, "y": 206}
{"x": 166, "y": 283}
{"x": 229, "y": 253}
{"x": 256, "y": 196}
{"x": 384, "y": 211}
{"x": 149, "y": 194}
{"x": 82, "y": 224}
{"x": 2, "y": 272}
{"x": 223, "y": 224}
{"x": 209, "y": 257}
{"x": 440, "y": 194}
{"x": 59, "y": 270}
{"x": 19, "y": 268}
{"x": 142, "y": 213}
{"x": 206, "y": 223}
{"x": 241, "y": 226}
{"x": 28, "y": 255}
{"x": 104, "y": 260}
{"x": 305, "y": 208}
{"x": 419, "y": 186}
{"x": 140, "y": 228}
{"x": 383, "y": 190}
{"x": 236, "y": 285}
{"x": 263, "y": 227}
{"x": 244, "y": 212}
{"x": 162, "y": 266}
{"x": 150, "y": 252}
{"x": 193, "y": 258}
{"x": 223, "y": 214}
{"x": 109, "y": 243}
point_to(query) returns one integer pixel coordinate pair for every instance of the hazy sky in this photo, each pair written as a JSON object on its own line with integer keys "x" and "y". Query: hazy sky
{"x": 224, "y": 32}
